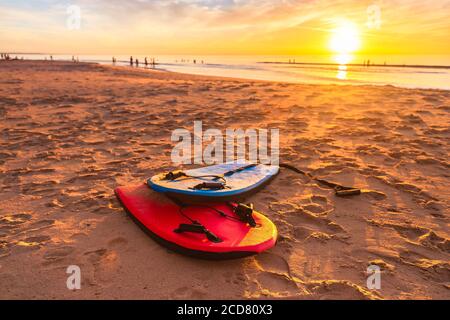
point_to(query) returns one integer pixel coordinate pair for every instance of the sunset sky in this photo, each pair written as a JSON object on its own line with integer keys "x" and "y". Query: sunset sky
{"x": 291, "y": 27}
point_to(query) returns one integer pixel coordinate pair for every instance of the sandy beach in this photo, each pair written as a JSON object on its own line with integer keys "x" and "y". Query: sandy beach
{"x": 71, "y": 133}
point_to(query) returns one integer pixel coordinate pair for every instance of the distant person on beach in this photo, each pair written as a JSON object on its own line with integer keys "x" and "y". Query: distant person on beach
{"x": 137, "y": 62}
{"x": 146, "y": 62}
{"x": 195, "y": 61}
{"x": 131, "y": 61}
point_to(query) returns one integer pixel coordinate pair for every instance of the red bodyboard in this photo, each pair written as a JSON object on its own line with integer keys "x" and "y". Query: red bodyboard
{"x": 160, "y": 216}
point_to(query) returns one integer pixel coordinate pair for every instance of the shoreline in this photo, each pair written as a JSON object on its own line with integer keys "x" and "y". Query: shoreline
{"x": 72, "y": 132}
{"x": 361, "y": 65}
{"x": 331, "y": 82}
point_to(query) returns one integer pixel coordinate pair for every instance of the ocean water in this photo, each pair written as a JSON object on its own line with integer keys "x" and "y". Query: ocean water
{"x": 402, "y": 71}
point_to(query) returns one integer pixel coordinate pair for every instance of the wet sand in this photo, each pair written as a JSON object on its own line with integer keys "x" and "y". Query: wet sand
{"x": 71, "y": 133}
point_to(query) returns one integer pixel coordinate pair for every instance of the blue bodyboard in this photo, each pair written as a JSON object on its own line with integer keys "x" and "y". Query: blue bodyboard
{"x": 239, "y": 183}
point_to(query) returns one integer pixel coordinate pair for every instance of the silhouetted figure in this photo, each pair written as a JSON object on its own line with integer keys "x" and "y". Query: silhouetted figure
{"x": 131, "y": 61}
{"x": 146, "y": 62}
{"x": 137, "y": 62}
{"x": 368, "y": 63}
{"x": 51, "y": 58}
{"x": 195, "y": 61}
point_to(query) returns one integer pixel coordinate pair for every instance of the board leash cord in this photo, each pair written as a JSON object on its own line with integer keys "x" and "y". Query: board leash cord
{"x": 339, "y": 190}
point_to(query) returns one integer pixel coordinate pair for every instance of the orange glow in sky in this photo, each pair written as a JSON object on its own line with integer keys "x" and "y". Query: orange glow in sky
{"x": 264, "y": 27}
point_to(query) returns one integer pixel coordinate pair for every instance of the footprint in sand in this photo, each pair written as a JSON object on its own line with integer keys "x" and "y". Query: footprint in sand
{"x": 9, "y": 223}
{"x": 58, "y": 254}
{"x": 431, "y": 269}
{"x": 26, "y": 245}
{"x": 41, "y": 224}
{"x": 96, "y": 256}
{"x": 437, "y": 270}
{"x": 236, "y": 278}
{"x": 407, "y": 231}
{"x": 282, "y": 207}
{"x": 33, "y": 242}
{"x": 118, "y": 243}
{"x": 4, "y": 248}
{"x": 432, "y": 240}
{"x": 273, "y": 263}
{"x": 319, "y": 227}
{"x": 277, "y": 285}
{"x": 15, "y": 219}
{"x": 47, "y": 188}
{"x": 273, "y": 278}
{"x": 339, "y": 289}
{"x": 189, "y": 293}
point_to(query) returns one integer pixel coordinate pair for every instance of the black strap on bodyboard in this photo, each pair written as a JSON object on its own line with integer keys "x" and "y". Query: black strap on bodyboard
{"x": 172, "y": 175}
{"x": 209, "y": 186}
{"x": 196, "y": 227}
{"x": 244, "y": 213}
{"x": 231, "y": 172}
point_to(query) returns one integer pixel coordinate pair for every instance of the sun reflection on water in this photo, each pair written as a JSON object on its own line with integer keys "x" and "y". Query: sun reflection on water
{"x": 342, "y": 59}
{"x": 342, "y": 73}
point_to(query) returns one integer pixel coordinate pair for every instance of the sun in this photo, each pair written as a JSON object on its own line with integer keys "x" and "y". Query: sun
{"x": 345, "y": 38}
